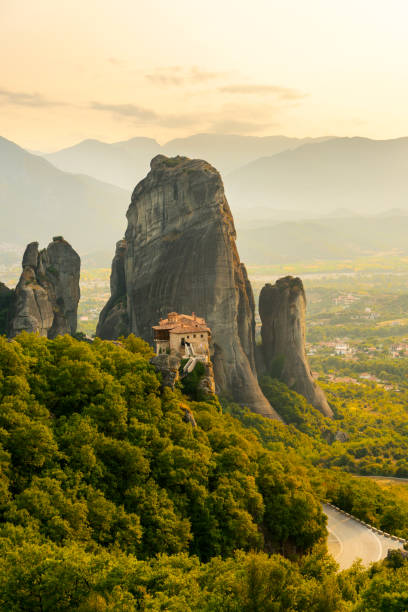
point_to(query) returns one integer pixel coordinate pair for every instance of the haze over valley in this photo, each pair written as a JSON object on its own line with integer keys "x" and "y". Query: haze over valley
{"x": 324, "y": 199}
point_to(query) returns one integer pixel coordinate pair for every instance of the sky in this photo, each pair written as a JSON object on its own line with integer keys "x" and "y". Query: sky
{"x": 115, "y": 69}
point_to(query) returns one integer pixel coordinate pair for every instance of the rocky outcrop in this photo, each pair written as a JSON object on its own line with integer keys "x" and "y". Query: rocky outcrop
{"x": 206, "y": 384}
{"x": 189, "y": 418}
{"x": 179, "y": 254}
{"x": 168, "y": 366}
{"x": 6, "y": 296}
{"x": 113, "y": 320}
{"x": 46, "y": 298}
{"x": 282, "y": 308}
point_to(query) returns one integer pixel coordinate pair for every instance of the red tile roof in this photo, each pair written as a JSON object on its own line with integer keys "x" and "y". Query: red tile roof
{"x": 182, "y": 323}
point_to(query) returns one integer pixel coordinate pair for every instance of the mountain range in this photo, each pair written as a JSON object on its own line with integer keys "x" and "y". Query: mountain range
{"x": 125, "y": 163}
{"x": 267, "y": 178}
{"x": 38, "y": 200}
{"x": 363, "y": 175}
{"x": 291, "y": 198}
{"x": 324, "y": 238}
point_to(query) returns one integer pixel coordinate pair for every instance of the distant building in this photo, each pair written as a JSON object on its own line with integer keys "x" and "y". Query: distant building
{"x": 369, "y": 313}
{"x": 346, "y": 300}
{"x": 343, "y": 379}
{"x": 183, "y": 335}
{"x": 342, "y": 348}
{"x": 368, "y": 376}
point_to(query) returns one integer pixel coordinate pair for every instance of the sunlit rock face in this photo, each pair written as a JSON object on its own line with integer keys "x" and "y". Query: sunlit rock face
{"x": 282, "y": 308}
{"x": 179, "y": 254}
{"x": 46, "y": 298}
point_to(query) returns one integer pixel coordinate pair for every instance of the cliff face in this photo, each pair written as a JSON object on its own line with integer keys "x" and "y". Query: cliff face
{"x": 46, "y": 298}
{"x": 282, "y": 308}
{"x": 179, "y": 254}
{"x": 6, "y": 296}
{"x": 113, "y": 320}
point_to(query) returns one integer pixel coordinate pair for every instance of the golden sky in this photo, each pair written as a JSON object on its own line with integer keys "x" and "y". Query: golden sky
{"x": 114, "y": 69}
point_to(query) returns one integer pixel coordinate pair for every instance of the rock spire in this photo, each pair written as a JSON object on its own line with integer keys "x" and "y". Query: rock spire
{"x": 46, "y": 298}
{"x": 282, "y": 308}
{"x": 179, "y": 254}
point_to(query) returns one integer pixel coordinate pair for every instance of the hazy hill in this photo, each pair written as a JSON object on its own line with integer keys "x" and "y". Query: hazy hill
{"x": 273, "y": 199}
{"x": 354, "y": 173}
{"x": 120, "y": 163}
{"x": 324, "y": 238}
{"x": 38, "y": 201}
{"x": 265, "y": 174}
{"x": 125, "y": 163}
{"x": 229, "y": 152}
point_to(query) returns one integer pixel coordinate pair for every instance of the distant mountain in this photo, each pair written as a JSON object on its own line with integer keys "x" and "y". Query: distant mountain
{"x": 324, "y": 238}
{"x": 120, "y": 163}
{"x": 38, "y": 201}
{"x": 358, "y": 174}
{"x": 229, "y": 152}
{"x": 338, "y": 198}
{"x": 125, "y": 163}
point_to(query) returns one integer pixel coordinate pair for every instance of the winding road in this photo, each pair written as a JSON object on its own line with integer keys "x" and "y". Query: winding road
{"x": 350, "y": 540}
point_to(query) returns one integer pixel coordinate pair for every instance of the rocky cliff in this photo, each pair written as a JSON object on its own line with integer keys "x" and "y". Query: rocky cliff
{"x": 46, "y": 298}
{"x": 113, "y": 320}
{"x": 6, "y": 296}
{"x": 282, "y": 308}
{"x": 179, "y": 254}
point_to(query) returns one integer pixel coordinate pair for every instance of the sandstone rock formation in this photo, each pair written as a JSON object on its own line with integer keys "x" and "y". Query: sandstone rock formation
{"x": 6, "y": 296}
{"x": 189, "y": 418}
{"x": 113, "y": 320}
{"x": 207, "y": 382}
{"x": 179, "y": 254}
{"x": 46, "y": 298}
{"x": 282, "y": 308}
{"x": 168, "y": 367}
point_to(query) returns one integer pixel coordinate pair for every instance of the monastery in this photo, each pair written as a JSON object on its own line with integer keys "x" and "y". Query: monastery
{"x": 184, "y": 336}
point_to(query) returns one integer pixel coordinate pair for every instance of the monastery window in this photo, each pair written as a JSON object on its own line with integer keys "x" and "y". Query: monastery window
{"x": 202, "y": 335}
{"x": 194, "y": 335}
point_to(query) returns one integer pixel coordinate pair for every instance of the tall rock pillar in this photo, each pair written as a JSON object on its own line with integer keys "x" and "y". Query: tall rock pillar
{"x": 46, "y": 298}
{"x": 282, "y": 308}
{"x": 180, "y": 255}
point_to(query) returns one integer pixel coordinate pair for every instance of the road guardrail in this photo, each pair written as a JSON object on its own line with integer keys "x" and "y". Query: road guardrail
{"x": 375, "y": 529}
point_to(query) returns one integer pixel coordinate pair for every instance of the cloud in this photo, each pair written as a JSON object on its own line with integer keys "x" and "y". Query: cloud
{"x": 181, "y": 121}
{"x": 20, "y": 98}
{"x": 285, "y": 93}
{"x": 228, "y": 119}
{"x": 232, "y": 126}
{"x": 149, "y": 116}
{"x": 177, "y": 76}
{"x": 132, "y": 111}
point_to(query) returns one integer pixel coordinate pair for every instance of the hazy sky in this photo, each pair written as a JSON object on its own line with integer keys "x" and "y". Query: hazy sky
{"x": 113, "y": 69}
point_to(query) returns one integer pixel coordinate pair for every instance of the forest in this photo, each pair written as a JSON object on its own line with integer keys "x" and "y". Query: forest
{"x": 110, "y": 500}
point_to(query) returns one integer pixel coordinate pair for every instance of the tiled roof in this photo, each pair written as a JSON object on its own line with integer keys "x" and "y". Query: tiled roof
{"x": 182, "y": 329}
{"x": 182, "y": 324}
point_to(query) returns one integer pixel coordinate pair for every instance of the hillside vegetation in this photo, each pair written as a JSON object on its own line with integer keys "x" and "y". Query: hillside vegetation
{"x": 111, "y": 501}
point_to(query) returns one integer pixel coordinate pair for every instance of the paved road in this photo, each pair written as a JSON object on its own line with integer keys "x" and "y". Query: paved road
{"x": 350, "y": 540}
{"x": 385, "y": 478}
